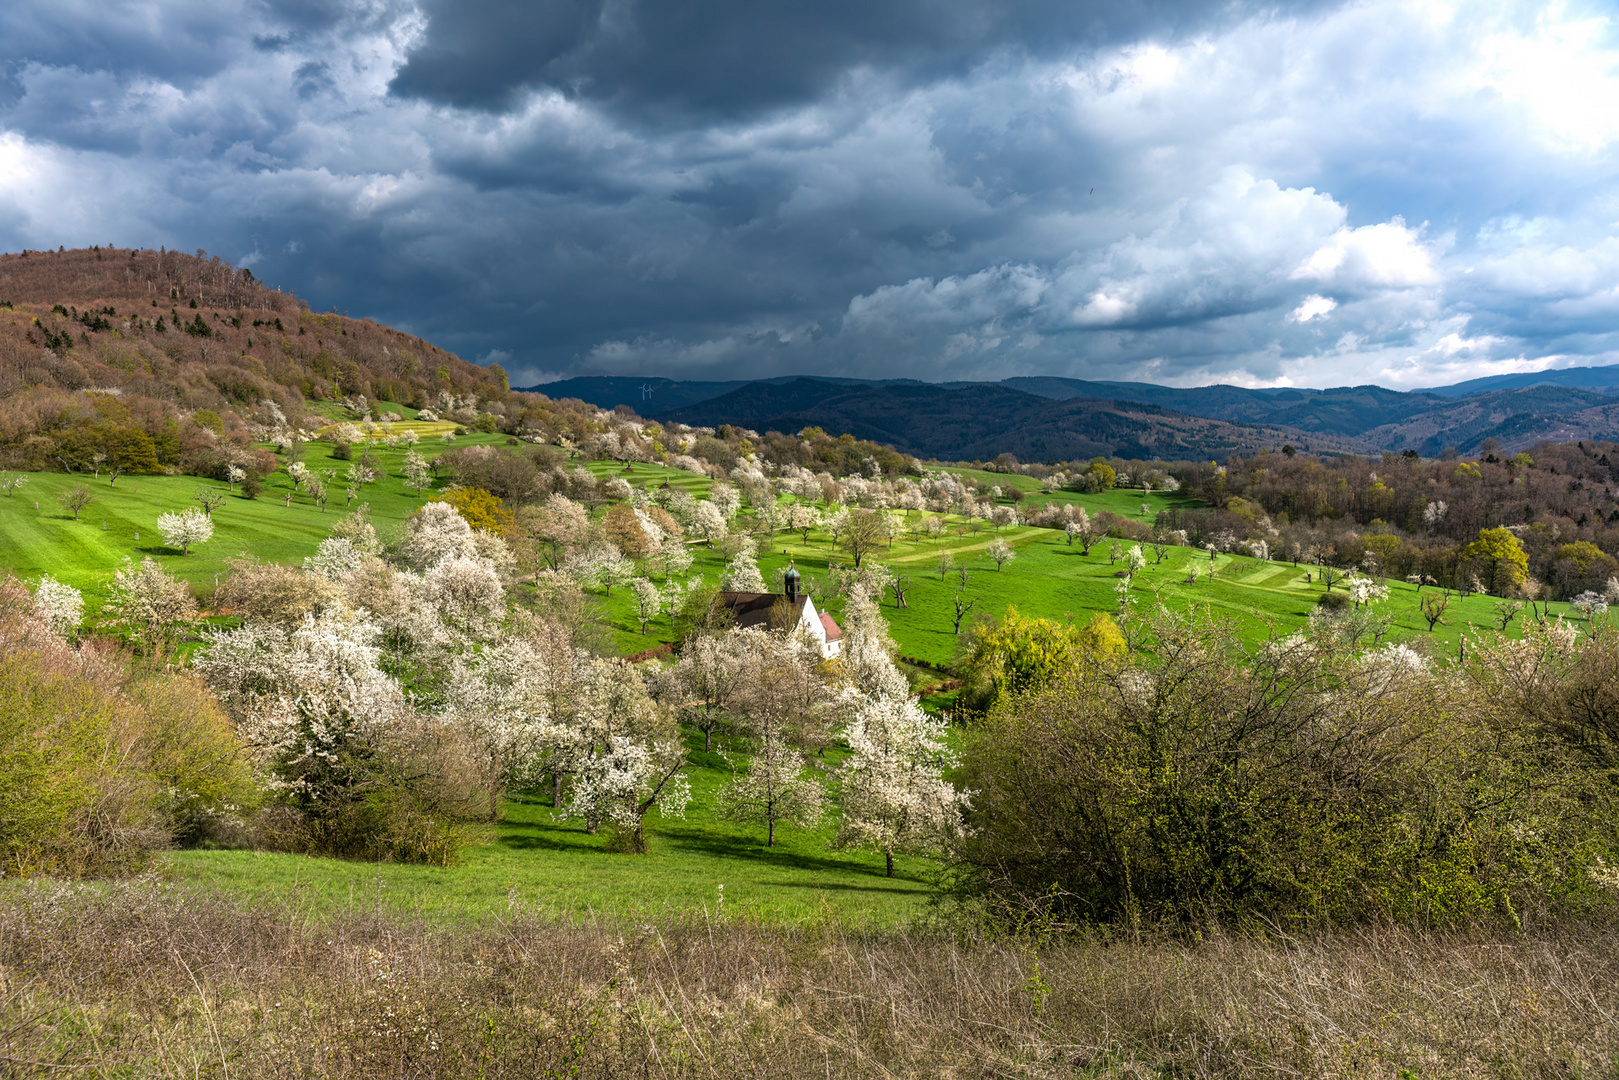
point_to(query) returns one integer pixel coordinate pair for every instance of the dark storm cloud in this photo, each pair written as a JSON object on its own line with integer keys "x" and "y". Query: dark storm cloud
{"x": 1378, "y": 191}
{"x": 735, "y": 57}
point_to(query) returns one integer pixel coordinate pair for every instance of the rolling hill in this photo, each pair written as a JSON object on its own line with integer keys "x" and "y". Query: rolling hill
{"x": 981, "y": 421}
{"x": 1122, "y": 417}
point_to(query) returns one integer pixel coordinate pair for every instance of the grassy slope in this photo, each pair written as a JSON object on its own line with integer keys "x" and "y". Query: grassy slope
{"x": 1051, "y": 579}
{"x": 48, "y": 541}
{"x": 555, "y": 865}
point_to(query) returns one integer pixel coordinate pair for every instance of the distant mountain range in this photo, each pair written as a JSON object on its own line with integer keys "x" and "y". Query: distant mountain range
{"x": 1050, "y": 418}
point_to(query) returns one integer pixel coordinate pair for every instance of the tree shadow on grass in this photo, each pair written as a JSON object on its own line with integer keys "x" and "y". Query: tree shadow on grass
{"x": 754, "y": 850}
{"x": 823, "y": 886}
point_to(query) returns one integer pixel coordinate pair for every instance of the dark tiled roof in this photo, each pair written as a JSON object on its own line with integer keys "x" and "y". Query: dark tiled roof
{"x": 753, "y": 608}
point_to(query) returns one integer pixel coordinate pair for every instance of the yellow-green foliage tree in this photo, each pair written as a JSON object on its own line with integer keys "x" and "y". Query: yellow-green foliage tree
{"x": 99, "y": 766}
{"x": 1501, "y": 560}
{"x": 482, "y": 509}
{"x": 1019, "y": 653}
{"x": 1582, "y": 565}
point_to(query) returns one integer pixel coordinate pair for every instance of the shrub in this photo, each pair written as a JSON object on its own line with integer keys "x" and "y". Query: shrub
{"x": 97, "y": 770}
{"x": 1299, "y": 783}
{"x": 343, "y": 451}
{"x": 1018, "y": 654}
{"x": 1333, "y": 601}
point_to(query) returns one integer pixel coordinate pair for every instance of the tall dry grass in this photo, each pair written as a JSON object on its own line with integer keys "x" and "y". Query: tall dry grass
{"x": 145, "y": 980}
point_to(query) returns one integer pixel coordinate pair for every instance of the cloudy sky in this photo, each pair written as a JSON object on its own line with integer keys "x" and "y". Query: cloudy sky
{"x": 1389, "y": 191}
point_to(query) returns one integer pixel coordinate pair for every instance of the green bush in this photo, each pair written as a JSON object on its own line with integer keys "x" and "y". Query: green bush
{"x": 1302, "y": 782}
{"x": 409, "y": 796}
{"x": 97, "y": 768}
{"x": 1018, "y": 654}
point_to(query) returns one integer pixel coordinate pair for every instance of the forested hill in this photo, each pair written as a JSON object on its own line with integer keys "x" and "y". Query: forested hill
{"x": 171, "y": 361}
{"x": 1517, "y": 411}
{"x": 146, "y": 321}
{"x": 156, "y": 362}
{"x": 983, "y": 421}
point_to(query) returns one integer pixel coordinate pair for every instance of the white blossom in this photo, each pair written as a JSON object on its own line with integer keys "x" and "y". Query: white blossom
{"x": 742, "y": 573}
{"x": 466, "y": 592}
{"x": 1590, "y": 604}
{"x": 895, "y": 796}
{"x": 726, "y": 500}
{"x": 435, "y": 532}
{"x": 300, "y": 696}
{"x": 335, "y": 558}
{"x": 1364, "y": 590}
{"x": 190, "y": 526}
{"x": 61, "y": 606}
{"x": 707, "y": 521}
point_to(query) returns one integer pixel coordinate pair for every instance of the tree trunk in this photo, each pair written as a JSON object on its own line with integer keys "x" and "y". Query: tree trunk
{"x": 771, "y": 841}
{"x": 556, "y": 791}
{"x": 888, "y": 853}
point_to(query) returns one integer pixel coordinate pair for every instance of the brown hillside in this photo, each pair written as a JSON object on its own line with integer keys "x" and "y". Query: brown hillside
{"x": 103, "y": 349}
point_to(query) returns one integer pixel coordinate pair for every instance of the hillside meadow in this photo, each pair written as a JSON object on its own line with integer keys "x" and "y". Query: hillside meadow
{"x": 555, "y": 864}
{"x": 699, "y": 862}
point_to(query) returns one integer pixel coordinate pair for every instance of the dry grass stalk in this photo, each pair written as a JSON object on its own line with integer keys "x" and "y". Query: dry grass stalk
{"x": 143, "y": 979}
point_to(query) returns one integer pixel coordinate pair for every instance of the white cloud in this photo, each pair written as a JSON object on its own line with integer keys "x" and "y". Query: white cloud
{"x": 1386, "y": 255}
{"x": 1313, "y": 306}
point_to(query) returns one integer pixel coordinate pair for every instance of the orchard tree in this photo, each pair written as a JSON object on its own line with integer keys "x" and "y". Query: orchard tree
{"x": 500, "y": 696}
{"x": 648, "y": 601}
{"x": 188, "y": 527}
{"x": 148, "y": 602}
{"x": 707, "y": 680}
{"x": 773, "y": 790}
{"x": 417, "y": 474}
{"x": 601, "y": 566}
{"x": 76, "y": 498}
{"x": 803, "y": 518}
{"x": 623, "y": 751}
{"x": 671, "y": 557}
{"x": 209, "y": 500}
{"x": 61, "y": 606}
{"x": 1434, "y": 606}
{"x": 742, "y": 573}
{"x": 10, "y": 482}
{"x": 1001, "y": 552}
{"x": 864, "y": 532}
{"x": 726, "y": 500}
{"x": 1364, "y": 590}
{"x": 895, "y": 796}
{"x": 466, "y": 593}
{"x": 708, "y": 522}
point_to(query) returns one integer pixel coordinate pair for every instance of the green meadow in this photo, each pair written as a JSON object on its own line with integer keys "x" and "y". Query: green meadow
{"x": 534, "y": 860}
{"x": 1049, "y": 578}
{"x": 38, "y": 536}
